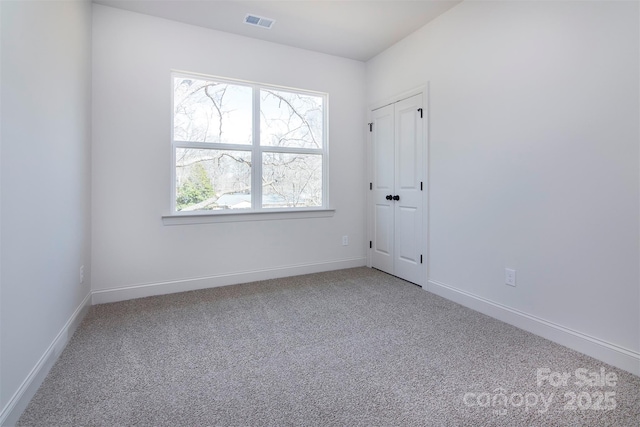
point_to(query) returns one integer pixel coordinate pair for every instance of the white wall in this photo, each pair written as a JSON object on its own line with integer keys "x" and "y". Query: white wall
{"x": 534, "y": 160}
{"x": 45, "y": 176}
{"x": 133, "y": 55}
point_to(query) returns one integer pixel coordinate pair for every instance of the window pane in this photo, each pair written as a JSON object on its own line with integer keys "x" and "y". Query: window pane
{"x": 291, "y": 180}
{"x": 207, "y": 111}
{"x": 290, "y": 119}
{"x": 212, "y": 179}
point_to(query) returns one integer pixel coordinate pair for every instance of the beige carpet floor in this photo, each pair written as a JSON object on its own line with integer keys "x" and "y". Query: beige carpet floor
{"x": 345, "y": 348}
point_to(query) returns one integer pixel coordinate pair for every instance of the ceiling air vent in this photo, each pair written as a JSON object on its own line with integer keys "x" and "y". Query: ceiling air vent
{"x": 259, "y": 21}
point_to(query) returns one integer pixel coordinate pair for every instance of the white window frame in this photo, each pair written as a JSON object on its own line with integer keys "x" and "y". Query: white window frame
{"x": 257, "y": 151}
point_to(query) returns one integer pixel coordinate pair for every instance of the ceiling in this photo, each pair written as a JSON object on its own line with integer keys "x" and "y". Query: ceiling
{"x": 356, "y": 29}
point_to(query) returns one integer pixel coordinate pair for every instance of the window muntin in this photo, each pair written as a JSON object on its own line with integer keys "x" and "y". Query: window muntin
{"x": 247, "y": 147}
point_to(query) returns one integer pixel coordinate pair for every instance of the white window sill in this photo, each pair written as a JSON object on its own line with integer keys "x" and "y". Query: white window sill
{"x": 237, "y": 216}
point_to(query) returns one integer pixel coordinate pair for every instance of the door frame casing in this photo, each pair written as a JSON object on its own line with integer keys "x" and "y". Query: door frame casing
{"x": 424, "y": 91}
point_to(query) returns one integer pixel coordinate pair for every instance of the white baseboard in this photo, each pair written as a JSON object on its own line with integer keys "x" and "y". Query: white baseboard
{"x": 162, "y": 288}
{"x": 21, "y": 398}
{"x": 612, "y": 354}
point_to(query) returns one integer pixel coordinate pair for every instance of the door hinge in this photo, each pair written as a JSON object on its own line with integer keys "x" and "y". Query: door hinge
{"x": 371, "y": 186}
{"x": 420, "y": 259}
{"x": 421, "y": 186}
{"x": 370, "y": 244}
{"x": 370, "y": 127}
{"x": 420, "y": 109}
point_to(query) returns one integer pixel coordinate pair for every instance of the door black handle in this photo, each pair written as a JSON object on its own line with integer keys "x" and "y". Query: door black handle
{"x": 389, "y": 197}
{"x": 396, "y": 197}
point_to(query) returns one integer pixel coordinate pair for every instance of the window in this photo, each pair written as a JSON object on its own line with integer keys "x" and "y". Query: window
{"x": 245, "y": 147}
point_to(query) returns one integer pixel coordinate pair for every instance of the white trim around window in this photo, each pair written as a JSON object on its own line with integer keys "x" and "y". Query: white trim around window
{"x": 217, "y": 152}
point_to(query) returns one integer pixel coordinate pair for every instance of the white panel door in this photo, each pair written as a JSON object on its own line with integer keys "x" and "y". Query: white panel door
{"x": 408, "y": 189}
{"x": 397, "y": 184}
{"x": 383, "y": 150}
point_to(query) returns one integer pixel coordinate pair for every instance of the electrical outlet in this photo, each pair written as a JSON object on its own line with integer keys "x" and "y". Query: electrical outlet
{"x": 509, "y": 277}
{"x": 81, "y": 274}
{"x": 345, "y": 240}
